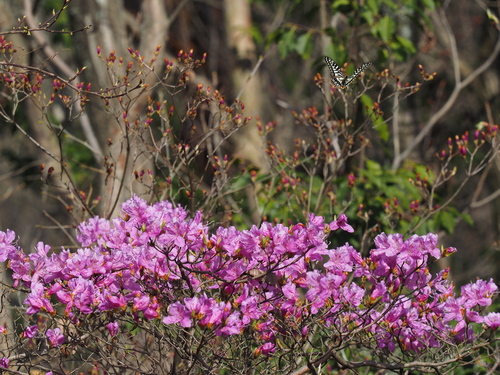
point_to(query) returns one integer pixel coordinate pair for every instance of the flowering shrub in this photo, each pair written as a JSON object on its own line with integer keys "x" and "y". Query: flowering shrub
{"x": 157, "y": 277}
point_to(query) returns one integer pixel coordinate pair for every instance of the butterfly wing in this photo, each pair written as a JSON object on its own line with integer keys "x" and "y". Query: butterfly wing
{"x": 356, "y": 73}
{"x": 338, "y": 77}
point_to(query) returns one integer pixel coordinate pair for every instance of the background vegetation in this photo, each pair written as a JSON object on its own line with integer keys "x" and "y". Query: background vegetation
{"x": 265, "y": 55}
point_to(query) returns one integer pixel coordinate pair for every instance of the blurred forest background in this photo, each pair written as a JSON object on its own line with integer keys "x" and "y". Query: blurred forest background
{"x": 266, "y": 54}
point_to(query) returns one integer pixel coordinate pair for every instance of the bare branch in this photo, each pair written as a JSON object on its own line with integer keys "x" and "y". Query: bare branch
{"x": 64, "y": 67}
{"x": 459, "y": 86}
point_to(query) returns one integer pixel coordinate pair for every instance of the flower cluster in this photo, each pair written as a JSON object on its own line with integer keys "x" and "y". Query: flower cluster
{"x": 153, "y": 262}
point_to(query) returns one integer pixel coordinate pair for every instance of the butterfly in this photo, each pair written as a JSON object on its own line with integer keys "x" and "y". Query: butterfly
{"x": 338, "y": 78}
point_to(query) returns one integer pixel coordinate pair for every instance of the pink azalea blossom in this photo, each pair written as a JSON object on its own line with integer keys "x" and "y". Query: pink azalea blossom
{"x": 479, "y": 293}
{"x": 56, "y": 338}
{"x": 341, "y": 223}
{"x": 178, "y": 313}
{"x": 113, "y": 328}
{"x": 492, "y": 320}
{"x": 4, "y": 362}
{"x": 30, "y": 331}
{"x": 37, "y": 300}
{"x": 6, "y": 244}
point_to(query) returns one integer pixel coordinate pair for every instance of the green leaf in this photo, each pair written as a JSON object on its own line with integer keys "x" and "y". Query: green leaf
{"x": 304, "y": 45}
{"x": 406, "y": 44}
{"x": 429, "y": 4}
{"x": 382, "y": 129}
{"x": 379, "y": 122}
{"x": 370, "y": 12}
{"x": 397, "y": 5}
{"x": 274, "y": 37}
{"x": 468, "y": 219}
{"x": 287, "y": 43}
{"x": 337, "y": 4}
{"x": 337, "y": 52}
{"x": 374, "y": 167}
{"x": 256, "y": 35}
{"x": 369, "y": 17}
{"x": 386, "y": 28}
{"x": 373, "y": 6}
{"x": 424, "y": 172}
{"x": 446, "y": 220}
{"x": 367, "y": 101}
{"x": 492, "y": 17}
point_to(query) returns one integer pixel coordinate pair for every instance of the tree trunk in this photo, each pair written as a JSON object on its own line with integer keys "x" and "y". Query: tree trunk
{"x": 238, "y": 25}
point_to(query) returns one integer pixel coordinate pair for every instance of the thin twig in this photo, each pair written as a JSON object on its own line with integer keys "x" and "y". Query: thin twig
{"x": 459, "y": 86}
{"x": 64, "y": 67}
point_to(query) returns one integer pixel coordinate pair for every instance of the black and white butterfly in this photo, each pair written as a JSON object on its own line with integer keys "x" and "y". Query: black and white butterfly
{"x": 338, "y": 78}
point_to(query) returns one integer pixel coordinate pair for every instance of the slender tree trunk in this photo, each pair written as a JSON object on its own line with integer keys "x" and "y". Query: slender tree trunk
{"x": 238, "y": 25}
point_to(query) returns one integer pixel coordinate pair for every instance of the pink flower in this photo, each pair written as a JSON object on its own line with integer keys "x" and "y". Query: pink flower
{"x": 250, "y": 309}
{"x": 141, "y": 303}
{"x": 340, "y": 259}
{"x": 112, "y": 302}
{"x": 233, "y": 325}
{"x": 92, "y": 230}
{"x": 304, "y": 332}
{"x": 113, "y": 328}
{"x": 291, "y": 296}
{"x": 352, "y": 294}
{"x": 341, "y": 223}
{"x": 6, "y": 244}
{"x": 56, "y": 338}
{"x": 267, "y": 348}
{"x": 178, "y": 313}
{"x": 454, "y": 310}
{"x": 37, "y": 300}
{"x": 151, "y": 312}
{"x": 492, "y": 320}
{"x": 31, "y": 331}
{"x": 4, "y": 362}
{"x": 479, "y": 293}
